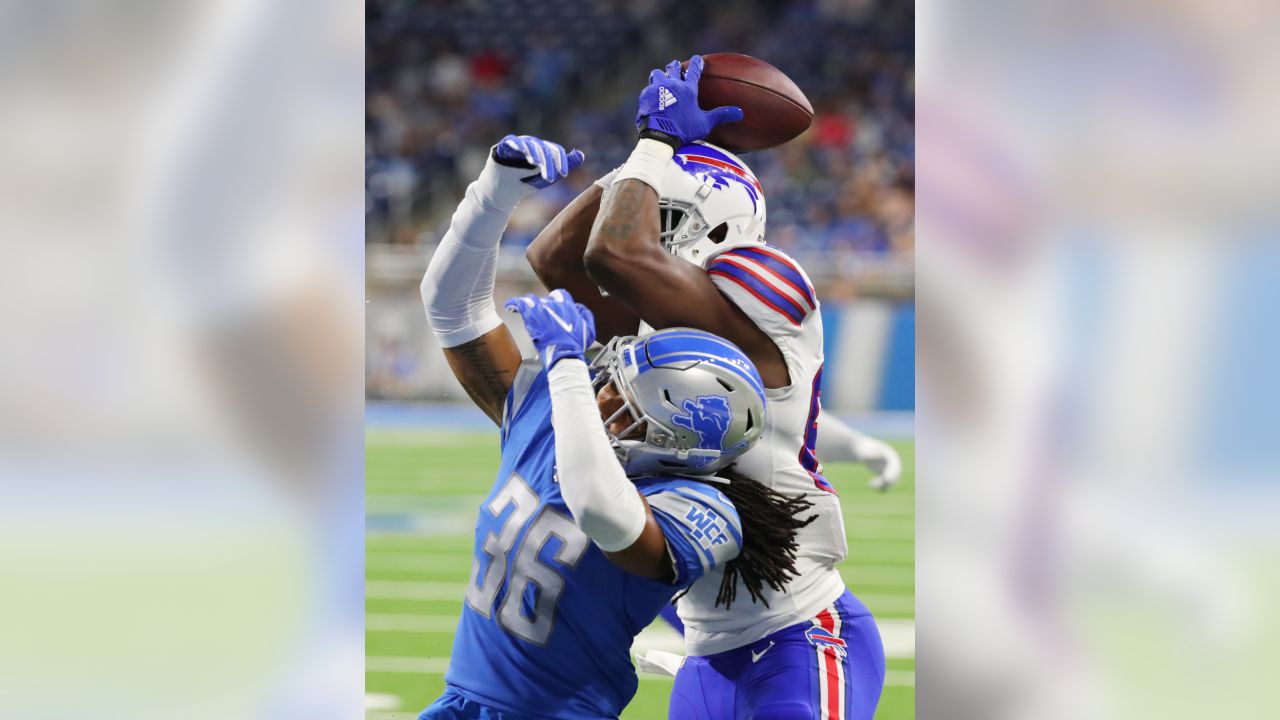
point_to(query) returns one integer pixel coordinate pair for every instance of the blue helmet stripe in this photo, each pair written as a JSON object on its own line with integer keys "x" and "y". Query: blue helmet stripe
{"x": 697, "y": 148}
{"x": 682, "y": 345}
{"x": 753, "y": 382}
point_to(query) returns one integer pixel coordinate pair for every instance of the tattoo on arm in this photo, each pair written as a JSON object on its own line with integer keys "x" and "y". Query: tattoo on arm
{"x": 486, "y": 367}
{"x": 626, "y": 258}
{"x": 618, "y": 224}
{"x": 556, "y": 256}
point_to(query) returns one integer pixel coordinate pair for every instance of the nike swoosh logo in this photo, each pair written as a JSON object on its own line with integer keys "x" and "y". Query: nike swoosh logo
{"x": 755, "y": 656}
{"x": 567, "y": 327}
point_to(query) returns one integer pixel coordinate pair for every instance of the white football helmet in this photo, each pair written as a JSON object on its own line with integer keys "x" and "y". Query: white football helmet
{"x": 706, "y": 188}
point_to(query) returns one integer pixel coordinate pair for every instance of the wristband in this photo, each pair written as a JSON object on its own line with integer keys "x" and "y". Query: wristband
{"x": 513, "y": 162}
{"x": 648, "y": 162}
{"x": 668, "y": 138}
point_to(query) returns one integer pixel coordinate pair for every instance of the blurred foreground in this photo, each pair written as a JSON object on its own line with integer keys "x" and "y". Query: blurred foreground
{"x": 180, "y": 426}
{"x": 1097, "y": 277}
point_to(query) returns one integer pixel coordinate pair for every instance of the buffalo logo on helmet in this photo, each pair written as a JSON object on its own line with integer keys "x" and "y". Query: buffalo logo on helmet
{"x": 719, "y": 171}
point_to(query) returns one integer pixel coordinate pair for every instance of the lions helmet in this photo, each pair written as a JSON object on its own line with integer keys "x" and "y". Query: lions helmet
{"x": 697, "y": 398}
{"x": 709, "y": 202}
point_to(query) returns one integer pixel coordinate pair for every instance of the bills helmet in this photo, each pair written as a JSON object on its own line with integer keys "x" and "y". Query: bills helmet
{"x": 709, "y": 202}
{"x": 695, "y": 397}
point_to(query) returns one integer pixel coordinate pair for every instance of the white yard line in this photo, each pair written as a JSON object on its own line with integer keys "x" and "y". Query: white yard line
{"x": 406, "y": 665}
{"x": 886, "y": 602}
{"x": 889, "y": 602}
{"x": 414, "y": 590}
{"x": 878, "y": 575}
{"x": 435, "y": 666}
{"x": 416, "y": 562}
{"x": 898, "y": 635}
{"x": 381, "y": 701}
{"x": 411, "y": 623}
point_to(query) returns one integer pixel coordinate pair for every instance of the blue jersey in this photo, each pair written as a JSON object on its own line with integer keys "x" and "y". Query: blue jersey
{"x": 548, "y": 621}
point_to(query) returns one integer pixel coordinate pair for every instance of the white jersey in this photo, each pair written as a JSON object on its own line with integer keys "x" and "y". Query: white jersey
{"x": 776, "y": 294}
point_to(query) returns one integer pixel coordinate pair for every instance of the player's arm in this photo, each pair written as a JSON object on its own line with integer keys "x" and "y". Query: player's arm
{"x": 837, "y": 442}
{"x": 623, "y": 254}
{"x": 603, "y": 501}
{"x": 457, "y": 289}
{"x": 625, "y": 258}
{"x": 556, "y": 258}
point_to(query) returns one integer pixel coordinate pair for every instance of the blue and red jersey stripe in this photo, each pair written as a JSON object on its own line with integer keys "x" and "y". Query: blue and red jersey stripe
{"x": 763, "y": 274}
{"x": 750, "y": 281}
{"x": 782, "y": 267}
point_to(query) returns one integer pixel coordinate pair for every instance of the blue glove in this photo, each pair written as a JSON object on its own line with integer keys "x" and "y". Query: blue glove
{"x": 670, "y": 104}
{"x": 559, "y": 327}
{"x": 526, "y": 151}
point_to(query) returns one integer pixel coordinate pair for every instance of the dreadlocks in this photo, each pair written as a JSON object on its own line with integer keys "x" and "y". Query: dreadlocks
{"x": 769, "y": 524}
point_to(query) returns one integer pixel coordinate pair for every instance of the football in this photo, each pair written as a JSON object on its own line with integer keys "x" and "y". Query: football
{"x": 774, "y": 109}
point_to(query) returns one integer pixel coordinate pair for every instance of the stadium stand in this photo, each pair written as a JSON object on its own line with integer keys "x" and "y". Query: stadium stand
{"x": 445, "y": 79}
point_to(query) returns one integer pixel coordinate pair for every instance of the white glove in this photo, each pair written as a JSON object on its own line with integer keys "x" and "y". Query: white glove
{"x": 881, "y": 459}
{"x": 837, "y": 442}
{"x": 659, "y": 662}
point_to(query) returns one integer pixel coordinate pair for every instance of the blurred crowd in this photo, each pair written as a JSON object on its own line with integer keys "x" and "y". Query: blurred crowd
{"x": 445, "y": 80}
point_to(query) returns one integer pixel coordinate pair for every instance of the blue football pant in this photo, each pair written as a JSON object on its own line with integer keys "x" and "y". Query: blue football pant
{"x": 453, "y": 706}
{"x": 829, "y": 668}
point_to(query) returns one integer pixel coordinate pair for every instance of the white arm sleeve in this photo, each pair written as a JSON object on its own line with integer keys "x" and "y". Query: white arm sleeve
{"x": 603, "y": 500}
{"x": 457, "y": 290}
{"x": 838, "y": 442}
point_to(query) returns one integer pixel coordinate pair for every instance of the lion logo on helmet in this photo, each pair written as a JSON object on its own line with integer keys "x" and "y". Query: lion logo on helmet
{"x": 709, "y": 416}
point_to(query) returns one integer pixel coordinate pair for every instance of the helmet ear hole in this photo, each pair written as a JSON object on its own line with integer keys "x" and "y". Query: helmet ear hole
{"x": 718, "y": 235}
{"x": 666, "y": 395}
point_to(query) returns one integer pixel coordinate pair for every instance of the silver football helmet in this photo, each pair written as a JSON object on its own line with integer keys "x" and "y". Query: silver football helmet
{"x": 709, "y": 202}
{"x": 696, "y": 397}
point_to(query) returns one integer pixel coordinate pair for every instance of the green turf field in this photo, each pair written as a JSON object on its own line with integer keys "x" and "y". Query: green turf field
{"x": 423, "y": 490}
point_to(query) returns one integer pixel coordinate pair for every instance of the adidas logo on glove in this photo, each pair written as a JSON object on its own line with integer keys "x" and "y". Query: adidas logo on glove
{"x": 665, "y": 98}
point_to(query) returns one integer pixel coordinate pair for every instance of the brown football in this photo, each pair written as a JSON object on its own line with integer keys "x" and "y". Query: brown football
{"x": 774, "y": 110}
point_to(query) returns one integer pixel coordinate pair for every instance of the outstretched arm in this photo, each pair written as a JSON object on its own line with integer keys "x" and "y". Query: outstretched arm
{"x": 837, "y": 442}
{"x": 556, "y": 256}
{"x": 624, "y": 256}
{"x": 457, "y": 290}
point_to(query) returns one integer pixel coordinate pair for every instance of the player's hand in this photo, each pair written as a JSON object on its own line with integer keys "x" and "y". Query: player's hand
{"x": 560, "y": 328}
{"x": 670, "y": 104}
{"x": 881, "y": 459}
{"x": 548, "y": 158}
